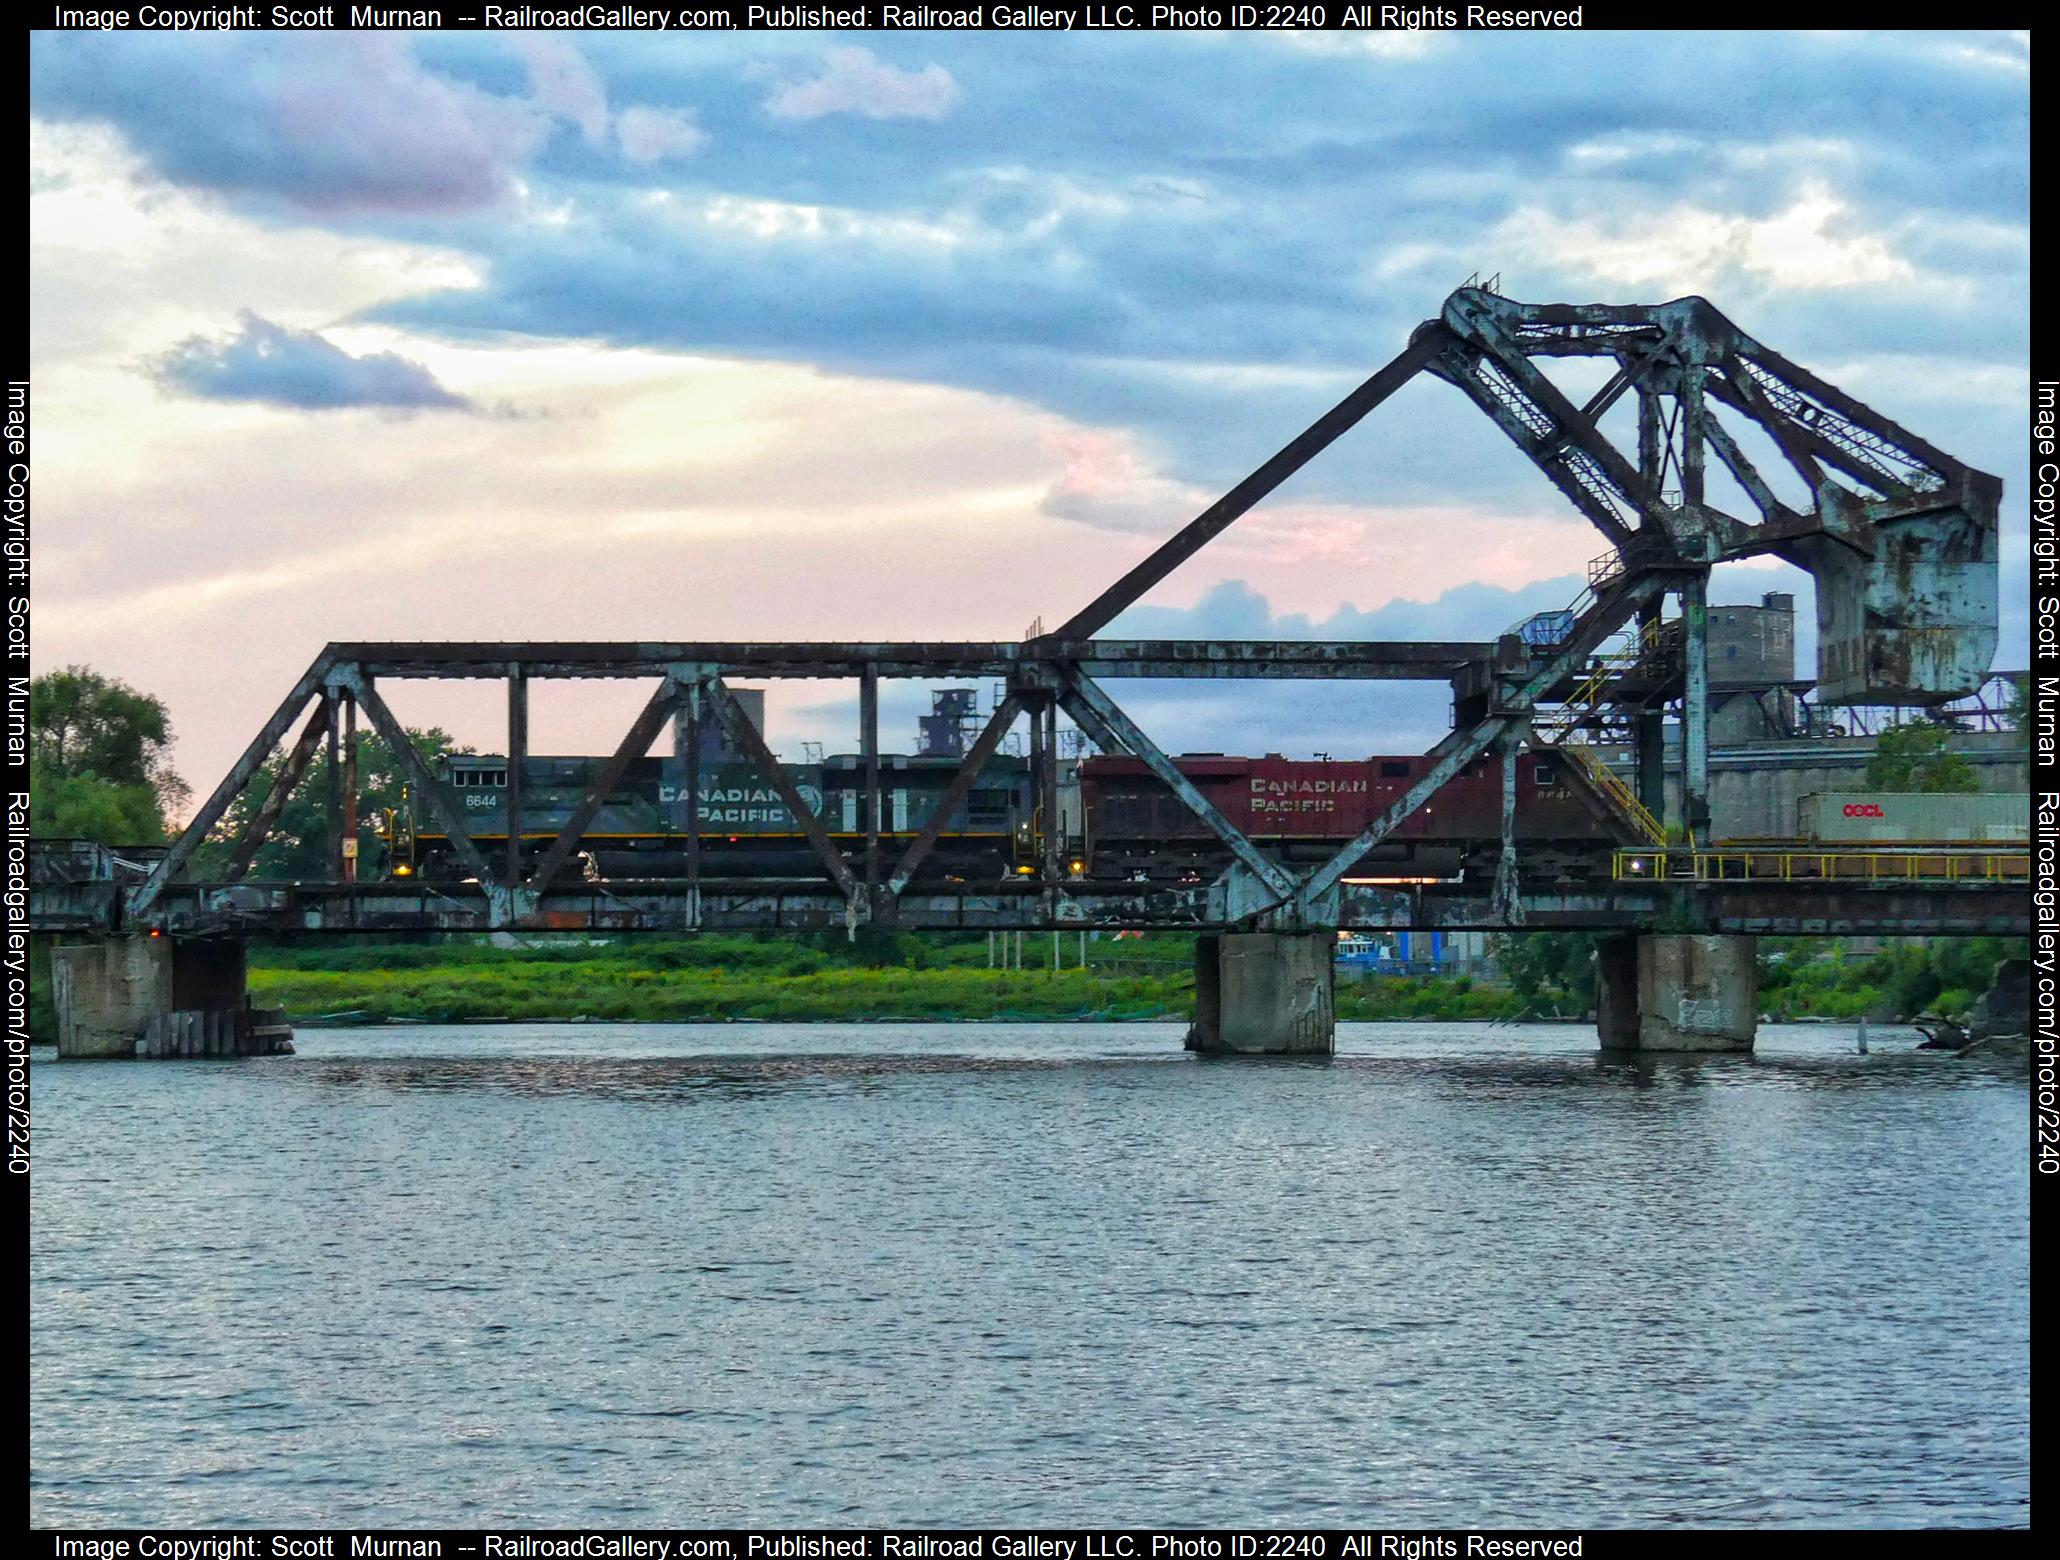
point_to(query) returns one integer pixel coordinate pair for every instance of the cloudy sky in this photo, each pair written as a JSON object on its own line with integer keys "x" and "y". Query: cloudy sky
{"x": 362, "y": 336}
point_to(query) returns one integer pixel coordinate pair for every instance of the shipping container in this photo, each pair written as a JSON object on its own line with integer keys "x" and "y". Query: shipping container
{"x": 1920, "y": 817}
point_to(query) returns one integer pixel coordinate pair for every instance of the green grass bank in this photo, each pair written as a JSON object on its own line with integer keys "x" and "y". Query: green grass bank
{"x": 909, "y": 977}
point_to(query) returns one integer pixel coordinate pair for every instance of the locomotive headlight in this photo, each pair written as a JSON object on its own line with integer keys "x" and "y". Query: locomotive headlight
{"x": 404, "y": 870}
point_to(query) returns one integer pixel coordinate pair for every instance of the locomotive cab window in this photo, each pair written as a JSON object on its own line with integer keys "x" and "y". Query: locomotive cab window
{"x": 1546, "y": 772}
{"x": 1393, "y": 769}
{"x": 988, "y": 806}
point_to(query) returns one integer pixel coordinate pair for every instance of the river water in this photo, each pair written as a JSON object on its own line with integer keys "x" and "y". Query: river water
{"x": 1028, "y": 1274}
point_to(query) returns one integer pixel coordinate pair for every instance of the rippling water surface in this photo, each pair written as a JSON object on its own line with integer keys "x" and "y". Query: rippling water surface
{"x": 1028, "y": 1274}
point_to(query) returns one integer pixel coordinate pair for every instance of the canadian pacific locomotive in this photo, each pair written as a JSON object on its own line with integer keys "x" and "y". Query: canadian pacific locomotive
{"x": 746, "y": 830}
{"x": 1116, "y": 820}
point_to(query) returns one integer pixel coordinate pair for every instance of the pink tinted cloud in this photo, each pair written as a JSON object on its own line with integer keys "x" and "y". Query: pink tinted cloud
{"x": 1305, "y": 557}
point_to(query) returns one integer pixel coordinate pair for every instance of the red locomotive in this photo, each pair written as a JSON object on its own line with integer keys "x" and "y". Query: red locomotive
{"x": 1302, "y": 811}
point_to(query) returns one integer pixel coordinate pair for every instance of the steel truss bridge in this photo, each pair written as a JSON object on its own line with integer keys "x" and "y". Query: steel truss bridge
{"x": 1900, "y": 537}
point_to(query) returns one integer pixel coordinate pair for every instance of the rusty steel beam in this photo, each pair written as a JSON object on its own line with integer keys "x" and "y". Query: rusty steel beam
{"x": 1963, "y": 908}
{"x": 1430, "y": 661}
{"x": 347, "y": 847}
{"x": 1576, "y": 428}
{"x": 411, "y": 764}
{"x": 1457, "y": 750}
{"x": 1104, "y": 721}
{"x": 751, "y": 742}
{"x": 515, "y": 795}
{"x": 1860, "y": 423}
{"x": 694, "y": 702}
{"x": 1296, "y": 454}
{"x": 332, "y": 803}
{"x": 1747, "y": 475}
{"x": 1046, "y": 780}
{"x": 232, "y": 786}
{"x": 962, "y": 781}
{"x": 1797, "y": 444}
{"x": 869, "y": 753}
{"x": 261, "y": 823}
{"x": 635, "y": 743}
{"x": 1461, "y": 368}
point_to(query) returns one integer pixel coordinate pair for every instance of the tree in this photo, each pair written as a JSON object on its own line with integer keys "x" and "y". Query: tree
{"x": 297, "y": 847}
{"x": 1914, "y": 757}
{"x": 2017, "y": 713}
{"x": 1554, "y": 970}
{"x": 99, "y": 760}
{"x": 81, "y": 807}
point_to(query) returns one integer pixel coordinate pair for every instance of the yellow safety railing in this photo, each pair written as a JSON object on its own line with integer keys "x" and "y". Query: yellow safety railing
{"x": 1555, "y": 727}
{"x": 1612, "y": 785}
{"x": 1804, "y": 863}
{"x": 1606, "y": 670}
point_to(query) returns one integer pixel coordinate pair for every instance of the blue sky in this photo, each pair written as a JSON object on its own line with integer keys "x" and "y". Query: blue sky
{"x": 916, "y": 335}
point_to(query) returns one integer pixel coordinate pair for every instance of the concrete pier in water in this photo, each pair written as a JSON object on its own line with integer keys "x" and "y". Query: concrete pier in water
{"x": 1666, "y": 992}
{"x": 1265, "y": 994}
{"x": 144, "y": 996}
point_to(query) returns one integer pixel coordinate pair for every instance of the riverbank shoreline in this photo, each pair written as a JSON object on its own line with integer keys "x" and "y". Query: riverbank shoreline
{"x": 992, "y": 1018}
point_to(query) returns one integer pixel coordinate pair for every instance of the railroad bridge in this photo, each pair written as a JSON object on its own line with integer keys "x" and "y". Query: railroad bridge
{"x": 1900, "y": 538}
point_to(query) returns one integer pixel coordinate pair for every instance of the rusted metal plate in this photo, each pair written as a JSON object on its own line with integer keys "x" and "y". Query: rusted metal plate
{"x": 1813, "y": 908}
{"x": 1435, "y": 660}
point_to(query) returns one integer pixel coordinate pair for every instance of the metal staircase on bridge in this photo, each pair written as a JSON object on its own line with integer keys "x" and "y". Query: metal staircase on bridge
{"x": 1571, "y": 726}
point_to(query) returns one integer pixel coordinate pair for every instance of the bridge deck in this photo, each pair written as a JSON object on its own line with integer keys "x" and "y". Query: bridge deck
{"x": 1969, "y": 905}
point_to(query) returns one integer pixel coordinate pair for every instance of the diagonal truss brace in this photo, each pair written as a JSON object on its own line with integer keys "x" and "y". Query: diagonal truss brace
{"x": 1602, "y": 621}
{"x": 635, "y": 743}
{"x": 232, "y": 786}
{"x": 1292, "y": 457}
{"x": 955, "y": 793}
{"x": 1574, "y": 435}
{"x": 259, "y": 828}
{"x": 411, "y": 765}
{"x": 749, "y": 741}
{"x": 1100, "y": 717}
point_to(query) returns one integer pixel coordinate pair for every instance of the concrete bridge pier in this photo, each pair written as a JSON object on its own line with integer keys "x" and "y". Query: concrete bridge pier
{"x": 1265, "y": 994}
{"x": 1666, "y": 992}
{"x": 155, "y": 996}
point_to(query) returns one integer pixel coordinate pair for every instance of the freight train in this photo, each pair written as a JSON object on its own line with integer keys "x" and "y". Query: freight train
{"x": 746, "y": 830}
{"x": 1116, "y": 820}
{"x": 1301, "y": 811}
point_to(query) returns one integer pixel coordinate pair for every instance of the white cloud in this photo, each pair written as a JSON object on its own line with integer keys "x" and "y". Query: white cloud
{"x": 564, "y": 85}
{"x": 134, "y": 265}
{"x": 1628, "y": 146}
{"x": 792, "y": 221}
{"x": 1813, "y": 243}
{"x": 1892, "y": 380}
{"x": 1398, "y": 45}
{"x": 2011, "y": 53}
{"x": 657, "y": 134}
{"x": 856, "y": 81}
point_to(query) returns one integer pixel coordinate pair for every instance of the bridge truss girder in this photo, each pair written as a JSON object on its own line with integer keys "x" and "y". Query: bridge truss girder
{"x": 1901, "y": 538}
